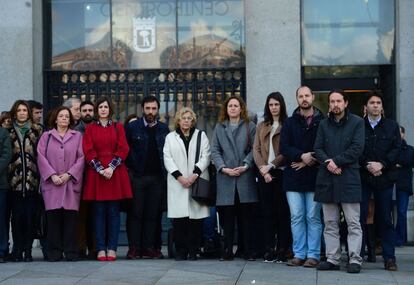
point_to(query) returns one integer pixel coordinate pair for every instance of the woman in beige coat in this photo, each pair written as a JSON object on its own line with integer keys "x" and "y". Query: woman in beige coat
{"x": 179, "y": 160}
{"x": 269, "y": 161}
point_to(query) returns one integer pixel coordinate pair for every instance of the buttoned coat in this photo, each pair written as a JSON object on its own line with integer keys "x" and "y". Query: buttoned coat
{"x": 180, "y": 203}
{"x": 234, "y": 149}
{"x": 343, "y": 142}
{"x": 58, "y": 155}
{"x": 103, "y": 144}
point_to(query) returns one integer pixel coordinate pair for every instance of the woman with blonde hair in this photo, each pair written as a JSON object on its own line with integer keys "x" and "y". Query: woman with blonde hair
{"x": 232, "y": 154}
{"x": 183, "y": 170}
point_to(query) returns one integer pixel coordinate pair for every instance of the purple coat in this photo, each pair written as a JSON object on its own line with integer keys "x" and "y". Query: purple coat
{"x": 57, "y": 157}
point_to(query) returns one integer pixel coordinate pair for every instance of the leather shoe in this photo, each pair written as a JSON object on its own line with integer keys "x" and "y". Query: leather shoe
{"x": 295, "y": 262}
{"x": 101, "y": 256}
{"x": 390, "y": 265}
{"x": 311, "y": 263}
{"x": 326, "y": 265}
{"x": 111, "y": 255}
{"x": 353, "y": 268}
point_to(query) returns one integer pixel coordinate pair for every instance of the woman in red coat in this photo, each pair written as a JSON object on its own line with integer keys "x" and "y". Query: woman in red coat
{"x": 107, "y": 181}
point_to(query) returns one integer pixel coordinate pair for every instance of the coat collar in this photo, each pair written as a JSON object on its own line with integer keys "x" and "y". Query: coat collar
{"x": 69, "y": 134}
{"x": 267, "y": 128}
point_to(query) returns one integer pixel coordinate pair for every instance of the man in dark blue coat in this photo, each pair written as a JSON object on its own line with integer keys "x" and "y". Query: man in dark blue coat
{"x": 338, "y": 146}
{"x": 296, "y": 144}
{"x": 404, "y": 188}
{"x": 379, "y": 173}
{"x": 146, "y": 138}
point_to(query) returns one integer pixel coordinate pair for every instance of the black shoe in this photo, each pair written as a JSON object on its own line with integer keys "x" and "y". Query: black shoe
{"x": 326, "y": 265}
{"x": 2, "y": 259}
{"x": 17, "y": 257}
{"x": 192, "y": 256}
{"x": 353, "y": 268}
{"x": 390, "y": 265}
{"x": 180, "y": 258}
{"x": 270, "y": 256}
{"x": 227, "y": 255}
{"x": 28, "y": 256}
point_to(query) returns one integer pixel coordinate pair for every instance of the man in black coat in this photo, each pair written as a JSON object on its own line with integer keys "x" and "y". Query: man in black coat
{"x": 404, "y": 188}
{"x": 339, "y": 144}
{"x": 379, "y": 173}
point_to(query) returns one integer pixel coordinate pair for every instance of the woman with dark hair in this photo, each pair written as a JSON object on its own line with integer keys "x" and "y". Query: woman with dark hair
{"x": 272, "y": 199}
{"x": 232, "y": 154}
{"x": 23, "y": 178}
{"x": 107, "y": 181}
{"x": 61, "y": 161}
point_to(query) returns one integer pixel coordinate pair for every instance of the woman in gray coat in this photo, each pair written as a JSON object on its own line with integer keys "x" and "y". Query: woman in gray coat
{"x": 231, "y": 152}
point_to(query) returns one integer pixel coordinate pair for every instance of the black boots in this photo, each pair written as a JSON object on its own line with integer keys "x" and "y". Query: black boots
{"x": 370, "y": 241}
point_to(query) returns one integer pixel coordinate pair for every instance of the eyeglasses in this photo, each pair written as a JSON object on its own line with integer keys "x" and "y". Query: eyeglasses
{"x": 187, "y": 118}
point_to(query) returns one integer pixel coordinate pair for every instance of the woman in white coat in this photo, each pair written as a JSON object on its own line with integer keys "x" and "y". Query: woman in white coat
{"x": 179, "y": 159}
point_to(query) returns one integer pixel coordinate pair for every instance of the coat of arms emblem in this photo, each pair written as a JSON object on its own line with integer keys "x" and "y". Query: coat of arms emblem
{"x": 144, "y": 34}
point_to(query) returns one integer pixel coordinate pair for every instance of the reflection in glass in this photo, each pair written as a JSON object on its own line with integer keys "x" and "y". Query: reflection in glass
{"x": 143, "y": 34}
{"x": 80, "y": 35}
{"x": 352, "y": 32}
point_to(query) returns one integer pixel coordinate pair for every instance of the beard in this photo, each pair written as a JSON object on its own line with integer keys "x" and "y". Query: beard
{"x": 305, "y": 106}
{"x": 87, "y": 119}
{"x": 149, "y": 118}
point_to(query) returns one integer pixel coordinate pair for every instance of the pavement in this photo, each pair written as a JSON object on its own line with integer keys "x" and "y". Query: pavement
{"x": 207, "y": 271}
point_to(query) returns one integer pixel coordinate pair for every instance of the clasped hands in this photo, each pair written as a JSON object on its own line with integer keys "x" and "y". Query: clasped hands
{"x": 375, "y": 168}
{"x": 307, "y": 160}
{"x": 264, "y": 171}
{"x": 187, "y": 182}
{"x": 332, "y": 167}
{"x": 60, "y": 179}
{"x": 107, "y": 172}
{"x": 234, "y": 171}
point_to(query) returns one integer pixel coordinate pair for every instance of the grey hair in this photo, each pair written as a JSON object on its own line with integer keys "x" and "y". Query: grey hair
{"x": 69, "y": 102}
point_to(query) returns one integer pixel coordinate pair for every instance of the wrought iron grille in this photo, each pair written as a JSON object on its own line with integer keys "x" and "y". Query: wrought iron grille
{"x": 204, "y": 90}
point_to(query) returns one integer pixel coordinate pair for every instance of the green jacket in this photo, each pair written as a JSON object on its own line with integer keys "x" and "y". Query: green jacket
{"x": 5, "y": 157}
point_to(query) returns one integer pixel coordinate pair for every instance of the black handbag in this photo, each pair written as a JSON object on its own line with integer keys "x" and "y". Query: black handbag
{"x": 201, "y": 190}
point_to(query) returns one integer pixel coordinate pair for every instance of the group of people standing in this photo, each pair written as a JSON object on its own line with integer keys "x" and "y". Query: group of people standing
{"x": 288, "y": 169}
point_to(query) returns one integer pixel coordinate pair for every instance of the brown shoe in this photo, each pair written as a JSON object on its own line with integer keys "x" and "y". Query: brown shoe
{"x": 311, "y": 263}
{"x": 295, "y": 262}
{"x": 390, "y": 265}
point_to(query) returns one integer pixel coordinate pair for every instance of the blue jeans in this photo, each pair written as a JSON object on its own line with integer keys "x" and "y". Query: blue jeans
{"x": 209, "y": 225}
{"x": 107, "y": 222}
{"x": 305, "y": 219}
{"x": 383, "y": 218}
{"x": 401, "y": 227}
{"x": 3, "y": 224}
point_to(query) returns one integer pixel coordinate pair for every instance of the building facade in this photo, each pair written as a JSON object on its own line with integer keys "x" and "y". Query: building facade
{"x": 197, "y": 52}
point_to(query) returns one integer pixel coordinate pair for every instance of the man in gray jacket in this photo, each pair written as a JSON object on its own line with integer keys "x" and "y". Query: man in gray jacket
{"x": 339, "y": 144}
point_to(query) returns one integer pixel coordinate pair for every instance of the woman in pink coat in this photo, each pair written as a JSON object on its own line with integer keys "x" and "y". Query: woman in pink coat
{"x": 60, "y": 162}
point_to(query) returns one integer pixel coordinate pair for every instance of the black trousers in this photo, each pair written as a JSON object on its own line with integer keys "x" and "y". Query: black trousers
{"x": 23, "y": 211}
{"x": 187, "y": 235}
{"x": 62, "y": 234}
{"x": 275, "y": 213}
{"x": 143, "y": 218}
{"x": 244, "y": 213}
{"x": 85, "y": 228}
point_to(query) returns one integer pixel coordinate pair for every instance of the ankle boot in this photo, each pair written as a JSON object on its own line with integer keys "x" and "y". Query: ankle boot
{"x": 370, "y": 239}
